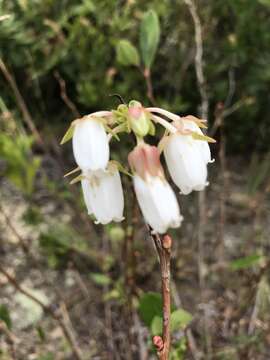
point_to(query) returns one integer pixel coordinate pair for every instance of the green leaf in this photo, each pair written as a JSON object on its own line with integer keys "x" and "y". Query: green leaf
{"x": 100, "y": 279}
{"x": 4, "y": 315}
{"x": 180, "y": 319}
{"x": 156, "y": 325}
{"x": 150, "y": 305}
{"x": 68, "y": 135}
{"x": 246, "y": 262}
{"x": 127, "y": 54}
{"x": 149, "y": 37}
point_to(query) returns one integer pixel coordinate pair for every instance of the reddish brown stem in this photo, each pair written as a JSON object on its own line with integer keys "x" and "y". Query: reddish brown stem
{"x": 163, "y": 247}
{"x": 148, "y": 80}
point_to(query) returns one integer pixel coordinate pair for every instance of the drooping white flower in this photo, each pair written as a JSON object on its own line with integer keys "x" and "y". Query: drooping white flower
{"x": 156, "y": 198}
{"x": 187, "y": 159}
{"x": 204, "y": 146}
{"x": 90, "y": 144}
{"x": 103, "y": 195}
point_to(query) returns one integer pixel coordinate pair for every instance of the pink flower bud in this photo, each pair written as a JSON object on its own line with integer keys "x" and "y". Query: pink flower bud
{"x": 139, "y": 119}
{"x": 145, "y": 160}
{"x": 158, "y": 342}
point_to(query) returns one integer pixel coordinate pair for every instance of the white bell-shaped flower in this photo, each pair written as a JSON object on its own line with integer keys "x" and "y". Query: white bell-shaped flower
{"x": 187, "y": 159}
{"x": 204, "y": 146}
{"x": 156, "y": 198}
{"x": 90, "y": 144}
{"x": 103, "y": 195}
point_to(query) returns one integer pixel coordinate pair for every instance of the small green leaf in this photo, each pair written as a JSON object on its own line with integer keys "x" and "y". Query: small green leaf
{"x": 127, "y": 54}
{"x": 198, "y": 136}
{"x": 68, "y": 135}
{"x": 100, "y": 279}
{"x": 4, "y": 315}
{"x": 149, "y": 37}
{"x": 156, "y": 325}
{"x": 246, "y": 262}
{"x": 180, "y": 319}
{"x": 150, "y": 305}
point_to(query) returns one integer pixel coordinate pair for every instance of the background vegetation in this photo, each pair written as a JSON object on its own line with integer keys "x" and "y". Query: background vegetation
{"x": 62, "y": 59}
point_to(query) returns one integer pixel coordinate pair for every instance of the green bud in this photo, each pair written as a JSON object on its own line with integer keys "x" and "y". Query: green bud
{"x": 139, "y": 120}
{"x": 134, "y": 103}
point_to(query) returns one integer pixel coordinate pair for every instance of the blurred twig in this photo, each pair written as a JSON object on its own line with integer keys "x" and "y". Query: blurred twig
{"x": 149, "y": 85}
{"x": 199, "y": 68}
{"x": 199, "y": 58}
{"x": 64, "y": 95}
{"x": 11, "y": 338}
{"x": 21, "y": 103}
{"x": 67, "y": 331}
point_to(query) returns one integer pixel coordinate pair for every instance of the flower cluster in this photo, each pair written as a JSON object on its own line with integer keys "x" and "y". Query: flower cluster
{"x": 186, "y": 153}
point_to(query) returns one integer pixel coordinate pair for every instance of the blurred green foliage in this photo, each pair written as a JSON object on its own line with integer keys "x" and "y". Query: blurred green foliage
{"x": 20, "y": 165}
{"x": 92, "y": 43}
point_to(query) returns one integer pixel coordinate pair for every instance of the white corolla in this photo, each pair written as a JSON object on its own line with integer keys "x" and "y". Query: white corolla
{"x": 156, "y": 198}
{"x": 90, "y": 144}
{"x": 187, "y": 159}
{"x": 103, "y": 195}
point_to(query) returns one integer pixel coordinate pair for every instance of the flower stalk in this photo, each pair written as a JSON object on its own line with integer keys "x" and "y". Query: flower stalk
{"x": 163, "y": 246}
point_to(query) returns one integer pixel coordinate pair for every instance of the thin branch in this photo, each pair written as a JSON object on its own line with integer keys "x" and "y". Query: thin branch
{"x": 64, "y": 95}
{"x": 204, "y": 112}
{"x": 21, "y": 103}
{"x": 199, "y": 58}
{"x": 149, "y": 86}
{"x": 48, "y": 310}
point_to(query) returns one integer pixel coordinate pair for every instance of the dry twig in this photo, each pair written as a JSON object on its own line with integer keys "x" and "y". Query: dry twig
{"x": 70, "y": 104}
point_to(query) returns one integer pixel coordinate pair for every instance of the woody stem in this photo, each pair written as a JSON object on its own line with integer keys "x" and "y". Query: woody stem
{"x": 163, "y": 247}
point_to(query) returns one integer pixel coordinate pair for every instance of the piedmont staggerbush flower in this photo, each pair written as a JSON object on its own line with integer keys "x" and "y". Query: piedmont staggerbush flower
{"x": 186, "y": 152}
{"x": 90, "y": 143}
{"x": 156, "y": 198}
{"x": 103, "y": 194}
